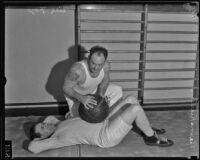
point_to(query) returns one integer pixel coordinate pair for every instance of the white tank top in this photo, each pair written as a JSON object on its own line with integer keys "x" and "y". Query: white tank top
{"x": 90, "y": 84}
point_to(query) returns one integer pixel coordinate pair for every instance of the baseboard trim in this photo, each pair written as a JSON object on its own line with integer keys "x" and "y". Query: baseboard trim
{"x": 37, "y": 111}
{"x": 62, "y": 110}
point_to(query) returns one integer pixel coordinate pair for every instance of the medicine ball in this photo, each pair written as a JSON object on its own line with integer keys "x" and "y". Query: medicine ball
{"x": 96, "y": 114}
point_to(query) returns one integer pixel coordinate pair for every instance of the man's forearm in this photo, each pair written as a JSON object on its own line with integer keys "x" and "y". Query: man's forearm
{"x": 103, "y": 87}
{"x": 37, "y": 146}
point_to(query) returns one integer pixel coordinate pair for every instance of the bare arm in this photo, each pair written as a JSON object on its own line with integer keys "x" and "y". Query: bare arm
{"x": 37, "y": 146}
{"x": 51, "y": 120}
{"x": 76, "y": 77}
{"x": 105, "y": 82}
{"x": 73, "y": 78}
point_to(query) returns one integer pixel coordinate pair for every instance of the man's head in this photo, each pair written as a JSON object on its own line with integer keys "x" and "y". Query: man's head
{"x": 41, "y": 131}
{"x": 97, "y": 58}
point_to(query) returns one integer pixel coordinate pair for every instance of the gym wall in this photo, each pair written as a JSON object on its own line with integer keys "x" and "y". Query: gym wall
{"x": 152, "y": 50}
{"x": 39, "y": 49}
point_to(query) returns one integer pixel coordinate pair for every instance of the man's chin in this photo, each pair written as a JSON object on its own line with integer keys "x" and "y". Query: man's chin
{"x": 95, "y": 71}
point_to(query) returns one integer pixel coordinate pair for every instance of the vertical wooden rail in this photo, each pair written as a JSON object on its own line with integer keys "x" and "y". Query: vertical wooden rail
{"x": 196, "y": 80}
{"x": 143, "y": 54}
{"x": 78, "y": 46}
{"x": 77, "y": 31}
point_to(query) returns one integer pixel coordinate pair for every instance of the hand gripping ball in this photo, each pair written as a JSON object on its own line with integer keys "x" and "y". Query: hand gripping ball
{"x": 96, "y": 114}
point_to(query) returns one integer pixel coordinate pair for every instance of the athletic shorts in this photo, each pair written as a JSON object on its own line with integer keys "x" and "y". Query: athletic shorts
{"x": 112, "y": 132}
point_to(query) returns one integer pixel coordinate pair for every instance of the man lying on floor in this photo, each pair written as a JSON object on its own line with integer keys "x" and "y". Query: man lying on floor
{"x": 53, "y": 133}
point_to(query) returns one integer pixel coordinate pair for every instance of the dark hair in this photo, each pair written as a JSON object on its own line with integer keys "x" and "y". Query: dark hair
{"x": 98, "y": 49}
{"x": 33, "y": 134}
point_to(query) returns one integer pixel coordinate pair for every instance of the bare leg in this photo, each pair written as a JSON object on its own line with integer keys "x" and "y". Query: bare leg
{"x": 134, "y": 112}
{"x": 114, "y": 92}
{"x": 116, "y": 108}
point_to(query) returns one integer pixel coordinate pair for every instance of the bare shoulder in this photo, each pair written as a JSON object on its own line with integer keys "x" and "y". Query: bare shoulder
{"x": 106, "y": 66}
{"x": 76, "y": 67}
{"x": 76, "y": 72}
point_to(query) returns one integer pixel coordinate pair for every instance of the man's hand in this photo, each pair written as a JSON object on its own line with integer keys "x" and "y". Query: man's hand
{"x": 51, "y": 120}
{"x": 107, "y": 98}
{"x": 89, "y": 101}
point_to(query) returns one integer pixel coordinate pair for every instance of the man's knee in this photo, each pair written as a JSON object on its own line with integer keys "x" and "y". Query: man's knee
{"x": 131, "y": 99}
{"x": 116, "y": 95}
{"x": 136, "y": 108}
{"x": 118, "y": 90}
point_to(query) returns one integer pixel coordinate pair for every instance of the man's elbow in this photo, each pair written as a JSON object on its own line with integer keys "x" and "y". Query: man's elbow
{"x": 33, "y": 149}
{"x": 66, "y": 90}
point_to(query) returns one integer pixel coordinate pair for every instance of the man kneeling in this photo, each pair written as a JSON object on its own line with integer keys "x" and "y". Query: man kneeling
{"x": 53, "y": 133}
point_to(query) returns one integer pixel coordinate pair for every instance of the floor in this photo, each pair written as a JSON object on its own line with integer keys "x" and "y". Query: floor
{"x": 181, "y": 126}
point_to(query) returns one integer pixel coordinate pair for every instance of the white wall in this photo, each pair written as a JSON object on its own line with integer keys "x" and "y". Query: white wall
{"x": 39, "y": 48}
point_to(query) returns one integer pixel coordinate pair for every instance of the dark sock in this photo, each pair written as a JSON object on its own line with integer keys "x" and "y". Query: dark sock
{"x": 151, "y": 138}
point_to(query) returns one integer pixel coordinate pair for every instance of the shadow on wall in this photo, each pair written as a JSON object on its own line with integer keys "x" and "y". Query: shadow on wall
{"x": 57, "y": 76}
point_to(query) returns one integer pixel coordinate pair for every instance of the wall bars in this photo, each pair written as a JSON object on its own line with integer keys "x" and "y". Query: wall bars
{"x": 153, "y": 49}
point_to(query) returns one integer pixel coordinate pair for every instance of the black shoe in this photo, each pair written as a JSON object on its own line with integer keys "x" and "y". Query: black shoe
{"x": 159, "y": 130}
{"x": 158, "y": 141}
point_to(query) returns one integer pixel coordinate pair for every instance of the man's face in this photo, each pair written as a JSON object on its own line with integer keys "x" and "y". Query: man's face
{"x": 44, "y": 129}
{"x": 96, "y": 63}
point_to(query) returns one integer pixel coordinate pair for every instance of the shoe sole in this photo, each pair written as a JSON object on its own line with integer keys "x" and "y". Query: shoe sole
{"x": 159, "y": 145}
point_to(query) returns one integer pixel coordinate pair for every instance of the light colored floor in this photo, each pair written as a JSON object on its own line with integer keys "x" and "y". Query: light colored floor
{"x": 181, "y": 126}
